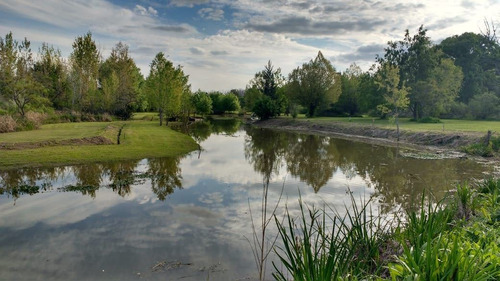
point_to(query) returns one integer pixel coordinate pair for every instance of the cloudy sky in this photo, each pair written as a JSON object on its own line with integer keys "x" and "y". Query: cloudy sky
{"x": 222, "y": 43}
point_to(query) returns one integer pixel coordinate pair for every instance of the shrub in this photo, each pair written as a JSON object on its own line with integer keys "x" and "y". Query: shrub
{"x": 429, "y": 120}
{"x": 265, "y": 108}
{"x": 7, "y": 124}
{"x": 35, "y": 119}
{"x": 479, "y": 149}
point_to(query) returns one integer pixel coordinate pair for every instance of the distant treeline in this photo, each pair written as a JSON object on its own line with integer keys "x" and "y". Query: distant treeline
{"x": 457, "y": 78}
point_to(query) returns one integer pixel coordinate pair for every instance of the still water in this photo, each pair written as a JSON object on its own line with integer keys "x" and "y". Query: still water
{"x": 190, "y": 218}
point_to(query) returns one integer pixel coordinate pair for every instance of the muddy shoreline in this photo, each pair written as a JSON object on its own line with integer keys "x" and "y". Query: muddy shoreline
{"x": 449, "y": 143}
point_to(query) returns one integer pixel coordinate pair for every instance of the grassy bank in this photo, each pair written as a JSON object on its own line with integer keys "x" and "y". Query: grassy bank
{"x": 73, "y": 143}
{"x": 456, "y": 239}
{"x": 449, "y": 125}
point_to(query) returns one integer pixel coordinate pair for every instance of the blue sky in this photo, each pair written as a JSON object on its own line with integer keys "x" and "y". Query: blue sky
{"x": 222, "y": 43}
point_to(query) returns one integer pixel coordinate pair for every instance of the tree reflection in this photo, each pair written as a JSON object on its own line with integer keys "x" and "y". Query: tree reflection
{"x": 122, "y": 176}
{"x": 165, "y": 176}
{"x": 398, "y": 181}
{"x": 313, "y": 159}
{"x": 27, "y": 181}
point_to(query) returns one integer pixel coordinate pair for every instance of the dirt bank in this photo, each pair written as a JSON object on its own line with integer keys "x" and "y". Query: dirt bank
{"x": 432, "y": 140}
{"x": 98, "y": 140}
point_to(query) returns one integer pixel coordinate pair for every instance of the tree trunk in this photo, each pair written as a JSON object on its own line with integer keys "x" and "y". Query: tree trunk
{"x": 161, "y": 117}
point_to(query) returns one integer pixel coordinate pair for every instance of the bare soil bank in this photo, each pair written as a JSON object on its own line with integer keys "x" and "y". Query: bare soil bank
{"x": 440, "y": 140}
{"x": 97, "y": 140}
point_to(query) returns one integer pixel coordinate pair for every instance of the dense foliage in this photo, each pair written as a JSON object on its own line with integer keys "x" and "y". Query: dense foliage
{"x": 457, "y": 78}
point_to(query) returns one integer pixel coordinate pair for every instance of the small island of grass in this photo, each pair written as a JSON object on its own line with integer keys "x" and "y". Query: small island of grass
{"x": 78, "y": 143}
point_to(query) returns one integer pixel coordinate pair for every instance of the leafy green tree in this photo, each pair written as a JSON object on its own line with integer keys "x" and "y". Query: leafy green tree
{"x": 120, "y": 79}
{"x": 202, "y": 103}
{"x": 230, "y": 102}
{"x": 369, "y": 93}
{"x": 165, "y": 86}
{"x": 268, "y": 82}
{"x": 420, "y": 63}
{"x": 84, "y": 62}
{"x": 17, "y": 83}
{"x": 395, "y": 94}
{"x": 440, "y": 89}
{"x": 222, "y": 103}
{"x": 484, "y": 106}
{"x": 314, "y": 85}
{"x": 265, "y": 108}
{"x": 348, "y": 102}
{"x": 51, "y": 72}
{"x": 252, "y": 95}
{"x": 479, "y": 57}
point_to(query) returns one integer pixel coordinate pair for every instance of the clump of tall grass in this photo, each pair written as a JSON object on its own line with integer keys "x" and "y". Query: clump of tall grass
{"x": 318, "y": 246}
{"x": 453, "y": 239}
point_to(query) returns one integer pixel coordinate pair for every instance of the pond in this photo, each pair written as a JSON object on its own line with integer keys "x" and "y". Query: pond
{"x": 190, "y": 218}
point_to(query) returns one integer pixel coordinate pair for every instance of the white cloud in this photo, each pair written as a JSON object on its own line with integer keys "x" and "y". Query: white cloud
{"x": 211, "y": 14}
{"x": 150, "y": 11}
{"x": 286, "y": 32}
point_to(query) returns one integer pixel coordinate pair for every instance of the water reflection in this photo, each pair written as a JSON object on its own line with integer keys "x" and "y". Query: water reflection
{"x": 134, "y": 215}
{"x": 397, "y": 180}
{"x": 314, "y": 160}
{"x": 164, "y": 175}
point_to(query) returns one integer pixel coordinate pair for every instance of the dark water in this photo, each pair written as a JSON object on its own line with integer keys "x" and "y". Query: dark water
{"x": 188, "y": 218}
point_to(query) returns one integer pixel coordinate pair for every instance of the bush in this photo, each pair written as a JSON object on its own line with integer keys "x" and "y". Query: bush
{"x": 265, "y": 108}
{"x": 429, "y": 120}
{"x": 35, "y": 119}
{"x": 479, "y": 149}
{"x": 7, "y": 124}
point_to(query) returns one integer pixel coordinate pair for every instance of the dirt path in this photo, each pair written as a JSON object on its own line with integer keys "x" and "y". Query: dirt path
{"x": 97, "y": 140}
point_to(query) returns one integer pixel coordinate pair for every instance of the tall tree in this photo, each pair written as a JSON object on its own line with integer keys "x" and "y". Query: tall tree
{"x": 395, "y": 93}
{"x": 349, "y": 98}
{"x": 418, "y": 62}
{"x": 165, "y": 85}
{"x": 50, "y": 70}
{"x": 268, "y": 82}
{"x": 120, "y": 79}
{"x": 17, "y": 84}
{"x": 84, "y": 61}
{"x": 315, "y": 84}
{"x": 202, "y": 103}
{"x": 479, "y": 58}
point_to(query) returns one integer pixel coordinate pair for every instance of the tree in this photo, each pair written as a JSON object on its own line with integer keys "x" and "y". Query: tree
{"x": 440, "y": 89}
{"x": 396, "y": 94}
{"x": 165, "y": 85}
{"x": 349, "y": 98}
{"x": 268, "y": 82}
{"x": 17, "y": 83}
{"x": 419, "y": 64}
{"x": 202, "y": 103}
{"x": 230, "y": 102}
{"x": 479, "y": 57}
{"x": 120, "y": 79}
{"x": 84, "y": 61}
{"x": 485, "y": 106}
{"x": 51, "y": 72}
{"x": 222, "y": 103}
{"x": 252, "y": 95}
{"x": 315, "y": 84}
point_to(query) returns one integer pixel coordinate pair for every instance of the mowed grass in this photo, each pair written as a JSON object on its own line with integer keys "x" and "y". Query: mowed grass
{"x": 61, "y": 131}
{"x": 139, "y": 139}
{"x": 450, "y": 125}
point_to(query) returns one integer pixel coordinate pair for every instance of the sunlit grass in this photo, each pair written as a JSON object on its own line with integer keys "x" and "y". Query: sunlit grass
{"x": 61, "y": 131}
{"x": 139, "y": 139}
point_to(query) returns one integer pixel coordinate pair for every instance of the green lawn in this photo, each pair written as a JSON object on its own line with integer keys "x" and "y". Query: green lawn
{"x": 61, "y": 131}
{"x": 450, "y": 125}
{"x": 140, "y": 139}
